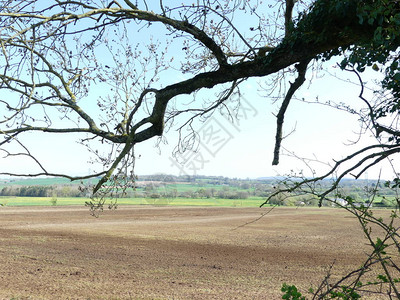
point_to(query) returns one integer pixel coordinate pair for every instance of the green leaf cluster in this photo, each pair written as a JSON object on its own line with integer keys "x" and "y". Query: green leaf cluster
{"x": 291, "y": 292}
{"x": 381, "y": 50}
{"x": 344, "y": 293}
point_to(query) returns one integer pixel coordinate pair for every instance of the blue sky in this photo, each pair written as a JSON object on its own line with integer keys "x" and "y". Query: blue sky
{"x": 241, "y": 149}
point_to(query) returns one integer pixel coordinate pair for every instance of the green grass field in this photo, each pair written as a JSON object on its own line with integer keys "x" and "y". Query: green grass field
{"x": 48, "y": 201}
{"x": 40, "y": 201}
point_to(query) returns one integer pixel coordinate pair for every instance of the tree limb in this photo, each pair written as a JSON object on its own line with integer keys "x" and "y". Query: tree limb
{"x": 301, "y": 68}
{"x": 288, "y": 17}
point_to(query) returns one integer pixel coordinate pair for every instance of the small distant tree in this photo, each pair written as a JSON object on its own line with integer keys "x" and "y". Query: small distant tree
{"x": 54, "y": 199}
{"x": 242, "y": 194}
{"x": 277, "y": 198}
{"x": 155, "y": 195}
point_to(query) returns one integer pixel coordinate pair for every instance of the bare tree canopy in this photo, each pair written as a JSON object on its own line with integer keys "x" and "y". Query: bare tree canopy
{"x": 142, "y": 55}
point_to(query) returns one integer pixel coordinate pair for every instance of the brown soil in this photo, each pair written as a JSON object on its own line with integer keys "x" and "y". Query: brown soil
{"x": 171, "y": 252}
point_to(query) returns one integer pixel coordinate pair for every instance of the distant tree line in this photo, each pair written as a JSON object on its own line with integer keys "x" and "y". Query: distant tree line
{"x": 198, "y": 187}
{"x": 42, "y": 191}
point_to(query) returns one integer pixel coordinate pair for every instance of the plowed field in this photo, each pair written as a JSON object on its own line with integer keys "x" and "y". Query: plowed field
{"x": 148, "y": 252}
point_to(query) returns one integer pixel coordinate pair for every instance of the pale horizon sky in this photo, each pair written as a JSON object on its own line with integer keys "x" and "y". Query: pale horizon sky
{"x": 243, "y": 149}
{"x": 320, "y": 132}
